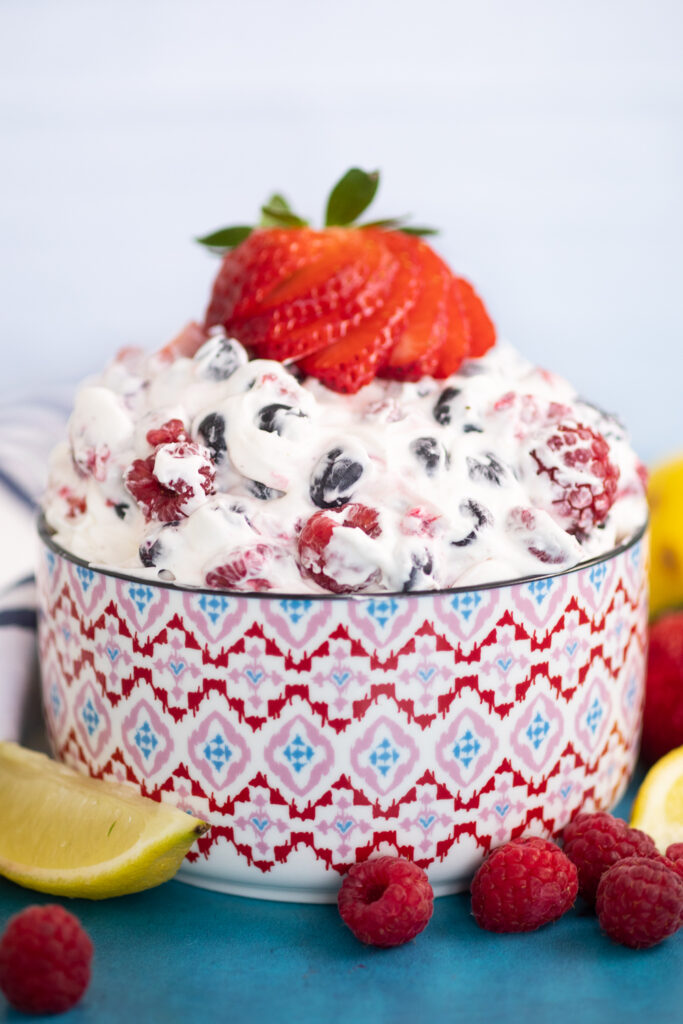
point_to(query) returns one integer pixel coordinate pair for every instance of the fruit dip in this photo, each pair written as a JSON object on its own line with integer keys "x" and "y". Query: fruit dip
{"x": 219, "y": 471}
{"x": 341, "y": 422}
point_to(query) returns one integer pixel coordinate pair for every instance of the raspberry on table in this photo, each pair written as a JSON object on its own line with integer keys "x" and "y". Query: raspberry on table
{"x": 594, "y": 842}
{"x": 45, "y": 957}
{"x": 640, "y": 902}
{"x": 577, "y": 482}
{"x": 386, "y": 901}
{"x": 523, "y": 885}
{"x": 663, "y": 712}
{"x": 674, "y": 854}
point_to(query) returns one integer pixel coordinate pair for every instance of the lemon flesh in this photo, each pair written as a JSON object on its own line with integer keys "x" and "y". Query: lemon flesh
{"x": 665, "y": 496}
{"x": 70, "y": 835}
{"x": 658, "y": 808}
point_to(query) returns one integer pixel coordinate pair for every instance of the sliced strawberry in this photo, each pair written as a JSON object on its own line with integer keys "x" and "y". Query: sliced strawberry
{"x": 416, "y": 352}
{"x": 455, "y": 346}
{"x": 250, "y": 271}
{"x": 317, "y": 318}
{"x": 350, "y": 363}
{"x": 480, "y": 329}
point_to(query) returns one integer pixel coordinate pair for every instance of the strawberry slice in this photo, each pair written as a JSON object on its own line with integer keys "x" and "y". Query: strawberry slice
{"x": 315, "y": 318}
{"x": 417, "y": 350}
{"x": 456, "y": 344}
{"x": 481, "y": 331}
{"x": 350, "y": 363}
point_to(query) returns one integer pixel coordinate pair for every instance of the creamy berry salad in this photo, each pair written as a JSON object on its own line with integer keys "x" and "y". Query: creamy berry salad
{"x": 219, "y": 471}
{"x": 341, "y": 422}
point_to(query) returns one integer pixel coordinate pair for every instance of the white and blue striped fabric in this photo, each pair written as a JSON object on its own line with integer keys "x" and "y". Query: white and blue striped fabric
{"x": 28, "y": 430}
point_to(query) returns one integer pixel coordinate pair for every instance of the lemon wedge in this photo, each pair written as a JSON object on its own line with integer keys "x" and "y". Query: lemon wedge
{"x": 70, "y": 835}
{"x": 658, "y": 807}
{"x": 665, "y": 495}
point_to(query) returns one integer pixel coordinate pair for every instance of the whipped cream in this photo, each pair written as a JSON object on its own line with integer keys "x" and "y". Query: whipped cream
{"x": 209, "y": 471}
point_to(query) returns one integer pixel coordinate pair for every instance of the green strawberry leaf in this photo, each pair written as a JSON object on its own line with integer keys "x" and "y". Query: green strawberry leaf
{"x": 275, "y": 216}
{"x": 410, "y": 230}
{"x": 351, "y": 196}
{"x": 389, "y": 224}
{"x": 226, "y": 238}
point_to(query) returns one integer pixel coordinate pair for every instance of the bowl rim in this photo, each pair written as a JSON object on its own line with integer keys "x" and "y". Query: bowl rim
{"x": 45, "y": 534}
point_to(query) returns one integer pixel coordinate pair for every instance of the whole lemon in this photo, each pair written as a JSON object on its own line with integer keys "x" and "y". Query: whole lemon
{"x": 665, "y": 496}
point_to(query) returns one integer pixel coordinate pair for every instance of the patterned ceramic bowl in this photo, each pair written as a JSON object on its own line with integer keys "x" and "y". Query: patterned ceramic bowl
{"x": 315, "y": 731}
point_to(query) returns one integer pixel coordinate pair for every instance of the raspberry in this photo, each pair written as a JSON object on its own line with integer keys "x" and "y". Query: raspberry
{"x": 522, "y": 885}
{"x": 173, "y": 482}
{"x": 640, "y": 902}
{"x": 663, "y": 714}
{"x": 244, "y": 569}
{"x": 386, "y": 901}
{"x": 674, "y": 854}
{"x": 594, "y": 842}
{"x": 168, "y": 432}
{"x": 575, "y": 460}
{"x": 329, "y": 552}
{"x": 45, "y": 958}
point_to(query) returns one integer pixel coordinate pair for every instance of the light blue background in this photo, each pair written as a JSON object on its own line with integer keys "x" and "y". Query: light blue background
{"x": 543, "y": 138}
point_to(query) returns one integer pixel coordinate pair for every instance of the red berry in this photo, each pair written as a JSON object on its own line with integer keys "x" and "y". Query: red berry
{"x": 577, "y": 482}
{"x": 328, "y": 552}
{"x": 523, "y": 885}
{"x": 386, "y": 901}
{"x": 674, "y": 854}
{"x": 479, "y": 329}
{"x": 425, "y": 328}
{"x": 245, "y": 568}
{"x": 167, "y": 433}
{"x": 353, "y": 361}
{"x": 173, "y": 481}
{"x": 45, "y": 958}
{"x": 594, "y": 842}
{"x": 640, "y": 902}
{"x": 663, "y": 714}
{"x": 348, "y": 304}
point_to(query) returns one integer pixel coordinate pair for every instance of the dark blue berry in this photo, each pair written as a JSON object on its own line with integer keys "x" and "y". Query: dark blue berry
{"x": 272, "y": 417}
{"x": 480, "y": 515}
{"x": 212, "y": 432}
{"x": 471, "y": 428}
{"x": 431, "y": 453}
{"x": 262, "y": 491}
{"x": 491, "y": 470}
{"x": 152, "y": 548}
{"x": 422, "y": 566}
{"x": 121, "y": 508}
{"x": 224, "y": 360}
{"x": 334, "y": 479}
{"x": 443, "y": 410}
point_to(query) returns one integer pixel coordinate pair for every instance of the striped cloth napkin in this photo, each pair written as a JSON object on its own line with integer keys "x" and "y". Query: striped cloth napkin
{"x": 28, "y": 431}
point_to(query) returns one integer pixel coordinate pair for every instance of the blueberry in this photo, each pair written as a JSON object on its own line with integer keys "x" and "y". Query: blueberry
{"x": 492, "y": 471}
{"x": 262, "y": 491}
{"x": 480, "y": 515}
{"x": 121, "y": 508}
{"x": 272, "y": 417}
{"x": 334, "y": 478}
{"x": 430, "y": 453}
{"x": 225, "y": 357}
{"x": 443, "y": 410}
{"x": 471, "y": 428}
{"x": 422, "y": 566}
{"x": 212, "y": 432}
{"x": 152, "y": 548}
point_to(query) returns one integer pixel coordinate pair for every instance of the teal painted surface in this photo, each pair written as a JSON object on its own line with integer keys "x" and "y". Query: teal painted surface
{"x": 179, "y": 954}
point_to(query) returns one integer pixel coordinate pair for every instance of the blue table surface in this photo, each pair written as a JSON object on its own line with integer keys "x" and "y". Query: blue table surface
{"x": 180, "y": 954}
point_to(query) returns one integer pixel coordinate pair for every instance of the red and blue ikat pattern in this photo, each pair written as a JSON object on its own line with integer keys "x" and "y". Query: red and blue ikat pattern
{"x": 312, "y": 733}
